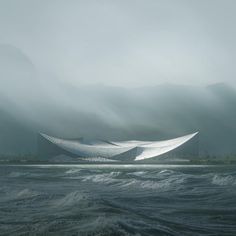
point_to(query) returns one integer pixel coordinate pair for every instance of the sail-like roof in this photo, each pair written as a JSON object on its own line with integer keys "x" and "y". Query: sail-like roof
{"x": 140, "y": 150}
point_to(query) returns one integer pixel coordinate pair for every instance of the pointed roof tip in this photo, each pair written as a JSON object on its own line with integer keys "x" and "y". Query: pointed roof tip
{"x": 45, "y": 135}
{"x": 42, "y": 134}
{"x": 190, "y": 134}
{"x": 194, "y": 134}
{"x": 49, "y": 136}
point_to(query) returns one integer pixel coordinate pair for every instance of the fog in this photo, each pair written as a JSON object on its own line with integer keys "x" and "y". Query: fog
{"x": 117, "y": 70}
{"x": 125, "y": 43}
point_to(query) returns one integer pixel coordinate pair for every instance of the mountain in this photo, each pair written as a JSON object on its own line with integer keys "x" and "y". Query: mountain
{"x": 153, "y": 113}
{"x": 30, "y": 104}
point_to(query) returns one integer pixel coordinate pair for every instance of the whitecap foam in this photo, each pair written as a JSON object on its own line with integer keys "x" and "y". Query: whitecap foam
{"x": 73, "y": 171}
{"x": 70, "y": 199}
{"x": 16, "y": 174}
{"x": 25, "y": 193}
{"x": 138, "y": 173}
{"x": 114, "y": 179}
{"x": 167, "y": 184}
{"x": 166, "y": 171}
{"x": 223, "y": 180}
{"x": 106, "y": 178}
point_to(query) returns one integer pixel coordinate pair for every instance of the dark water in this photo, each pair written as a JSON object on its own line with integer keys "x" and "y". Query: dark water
{"x": 117, "y": 200}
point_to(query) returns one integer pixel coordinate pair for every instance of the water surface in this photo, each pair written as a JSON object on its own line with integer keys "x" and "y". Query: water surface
{"x": 117, "y": 200}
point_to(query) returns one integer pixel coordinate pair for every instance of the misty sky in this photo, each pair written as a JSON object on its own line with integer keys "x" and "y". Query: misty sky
{"x": 125, "y": 42}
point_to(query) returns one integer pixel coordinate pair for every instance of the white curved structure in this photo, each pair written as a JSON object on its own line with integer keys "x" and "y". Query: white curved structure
{"x": 114, "y": 151}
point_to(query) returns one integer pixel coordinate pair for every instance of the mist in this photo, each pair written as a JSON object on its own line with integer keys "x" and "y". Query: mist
{"x": 125, "y": 43}
{"x": 117, "y": 70}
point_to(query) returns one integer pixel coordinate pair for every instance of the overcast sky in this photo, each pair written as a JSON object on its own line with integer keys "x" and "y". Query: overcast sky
{"x": 125, "y": 42}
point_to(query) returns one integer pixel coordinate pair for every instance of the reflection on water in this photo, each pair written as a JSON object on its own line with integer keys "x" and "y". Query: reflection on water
{"x": 117, "y": 200}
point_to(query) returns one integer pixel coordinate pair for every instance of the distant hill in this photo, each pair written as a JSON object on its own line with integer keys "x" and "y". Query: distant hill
{"x": 151, "y": 113}
{"x": 30, "y": 104}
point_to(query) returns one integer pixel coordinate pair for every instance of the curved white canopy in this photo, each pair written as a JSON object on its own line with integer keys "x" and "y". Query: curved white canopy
{"x": 105, "y": 149}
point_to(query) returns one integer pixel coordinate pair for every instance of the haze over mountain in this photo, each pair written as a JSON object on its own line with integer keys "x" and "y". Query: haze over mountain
{"x": 117, "y": 70}
{"x": 106, "y": 112}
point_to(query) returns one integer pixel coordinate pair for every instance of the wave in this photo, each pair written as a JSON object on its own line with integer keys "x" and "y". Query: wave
{"x": 15, "y": 174}
{"x": 73, "y": 171}
{"x": 24, "y": 194}
{"x": 223, "y": 180}
{"x": 150, "y": 181}
{"x": 161, "y": 185}
{"x": 71, "y": 199}
{"x": 106, "y": 178}
{"x": 138, "y": 173}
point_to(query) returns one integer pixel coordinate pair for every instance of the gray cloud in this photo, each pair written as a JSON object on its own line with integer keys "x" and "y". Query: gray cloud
{"x": 127, "y": 43}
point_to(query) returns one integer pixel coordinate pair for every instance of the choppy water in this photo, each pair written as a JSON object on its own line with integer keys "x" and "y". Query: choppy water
{"x": 117, "y": 200}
